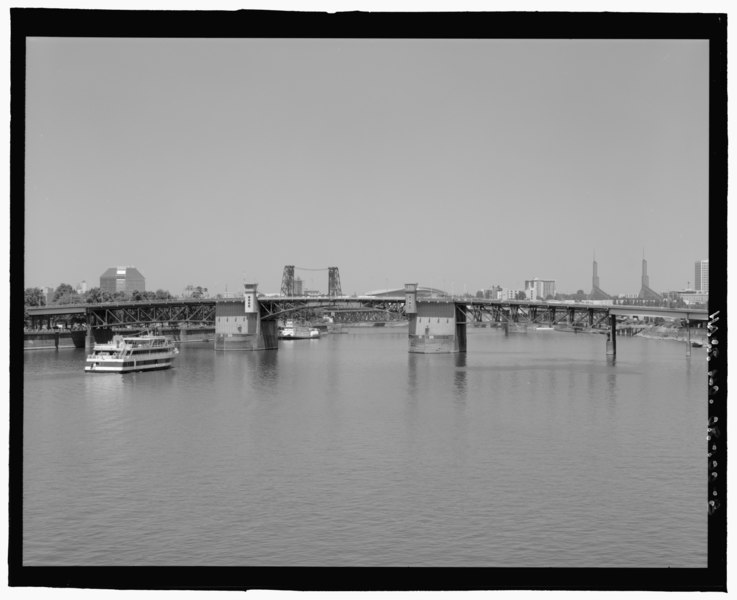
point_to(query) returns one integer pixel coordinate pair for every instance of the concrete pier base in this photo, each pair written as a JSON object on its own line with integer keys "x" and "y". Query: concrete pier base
{"x": 265, "y": 339}
{"x": 438, "y": 327}
{"x": 238, "y": 324}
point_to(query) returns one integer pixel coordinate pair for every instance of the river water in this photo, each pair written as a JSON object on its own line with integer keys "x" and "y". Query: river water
{"x": 530, "y": 450}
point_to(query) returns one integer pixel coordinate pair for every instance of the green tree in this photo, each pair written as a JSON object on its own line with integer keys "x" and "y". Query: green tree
{"x": 97, "y": 295}
{"x": 520, "y": 295}
{"x": 34, "y": 297}
{"x": 73, "y": 298}
{"x": 162, "y": 295}
{"x": 63, "y": 290}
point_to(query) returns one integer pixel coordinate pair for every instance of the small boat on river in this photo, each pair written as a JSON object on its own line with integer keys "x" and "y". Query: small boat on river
{"x": 291, "y": 331}
{"x": 134, "y": 353}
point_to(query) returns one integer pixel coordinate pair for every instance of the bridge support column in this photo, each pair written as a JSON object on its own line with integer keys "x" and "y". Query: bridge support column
{"x": 183, "y": 335}
{"x": 611, "y": 342}
{"x": 460, "y": 329}
{"x": 435, "y": 329}
{"x": 688, "y": 339}
{"x": 89, "y": 339}
{"x": 238, "y": 324}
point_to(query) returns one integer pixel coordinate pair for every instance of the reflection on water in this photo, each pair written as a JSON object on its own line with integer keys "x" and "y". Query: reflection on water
{"x": 534, "y": 450}
{"x": 459, "y": 380}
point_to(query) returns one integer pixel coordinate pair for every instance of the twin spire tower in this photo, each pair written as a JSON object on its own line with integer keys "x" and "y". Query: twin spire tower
{"x": 646, "y": 292}
{"x": 596, "y": 292}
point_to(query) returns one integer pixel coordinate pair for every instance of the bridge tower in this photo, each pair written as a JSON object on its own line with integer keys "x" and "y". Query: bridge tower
{"x": 238, "y": 324}
{"x": 435, "y": 326}
{"x": 334, "y": 282}
{"x": 287, "y": 281}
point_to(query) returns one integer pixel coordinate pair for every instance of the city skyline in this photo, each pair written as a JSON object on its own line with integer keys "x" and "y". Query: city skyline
{"x": 456, "y": 164}
{"x": 316, "y": 284}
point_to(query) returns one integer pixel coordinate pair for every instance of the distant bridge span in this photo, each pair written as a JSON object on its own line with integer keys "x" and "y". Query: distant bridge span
{"x": 432, "y": 320}
{"x": 202, "y": 310}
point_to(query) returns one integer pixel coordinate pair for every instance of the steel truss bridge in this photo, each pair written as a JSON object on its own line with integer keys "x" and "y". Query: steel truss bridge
{"x": 119, "y": 314}
{"x": 574, "y": 315}
{"x": 196, "y": 312}
{"x": 287, "y": 281}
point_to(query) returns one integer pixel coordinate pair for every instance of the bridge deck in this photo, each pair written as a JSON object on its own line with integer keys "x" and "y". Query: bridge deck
{"x": 349, "y": 302}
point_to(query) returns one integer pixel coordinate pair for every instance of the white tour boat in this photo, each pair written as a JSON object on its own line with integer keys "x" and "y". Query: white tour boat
{"x": 126, "y": 354}
{"x": 290, "y": 331}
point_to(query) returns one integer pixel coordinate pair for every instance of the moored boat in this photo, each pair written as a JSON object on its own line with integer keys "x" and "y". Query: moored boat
{"x": 291, "y": 331}
{"x": 135, "y": 353}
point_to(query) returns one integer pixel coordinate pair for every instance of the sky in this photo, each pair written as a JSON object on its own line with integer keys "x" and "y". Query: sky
{"x": 456, "y": 164}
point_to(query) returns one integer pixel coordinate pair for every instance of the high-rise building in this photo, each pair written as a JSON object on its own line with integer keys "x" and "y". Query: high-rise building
{"x": 701, "y": 277}
{"x": 122, "y": 279}
{"x": 542, "y": 288}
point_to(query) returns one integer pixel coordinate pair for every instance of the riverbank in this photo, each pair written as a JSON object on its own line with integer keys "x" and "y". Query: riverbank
{"x": 676, "y": 334}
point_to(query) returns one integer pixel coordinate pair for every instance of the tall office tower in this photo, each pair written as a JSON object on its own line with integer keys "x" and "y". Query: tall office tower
{"x": 122, "y": 279}
{"x": 701, "y": 278}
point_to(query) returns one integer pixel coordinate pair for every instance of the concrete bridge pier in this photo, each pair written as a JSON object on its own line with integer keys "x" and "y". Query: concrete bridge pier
{"x": 238, "y": 324}
{"x": 435, "y": 326}
{"x": 88, "y": 337}
{"x": 611, "y": 338}
{"x": 89, "y": 340}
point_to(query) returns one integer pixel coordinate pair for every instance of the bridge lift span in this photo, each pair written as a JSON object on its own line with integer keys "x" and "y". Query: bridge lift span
{"x": 287, "y": 280}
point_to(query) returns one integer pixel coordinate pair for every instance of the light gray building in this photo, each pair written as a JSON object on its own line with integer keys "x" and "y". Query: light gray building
{"x": 701, "y": 280}
{"x": 539, "y": 288}
{"x": 122, "y": 279}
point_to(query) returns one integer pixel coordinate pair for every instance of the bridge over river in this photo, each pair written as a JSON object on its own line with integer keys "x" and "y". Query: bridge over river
{"x": 436, "y": 325}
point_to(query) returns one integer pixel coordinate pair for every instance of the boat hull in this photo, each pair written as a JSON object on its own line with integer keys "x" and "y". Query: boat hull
{"x": 98, "y": 368}
{"x": 298, "y": 333}
{"x": 299, "y": 337}
{"x": 120, "y": 366}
